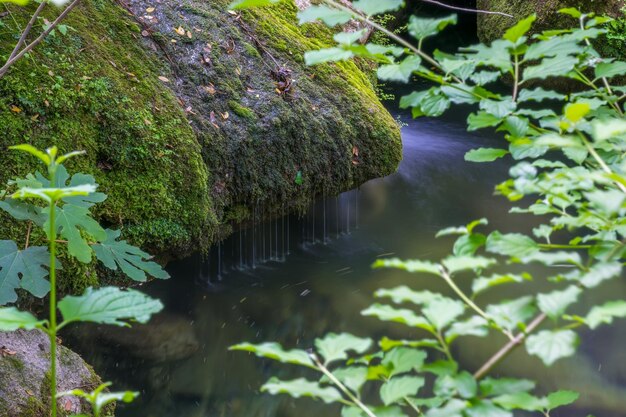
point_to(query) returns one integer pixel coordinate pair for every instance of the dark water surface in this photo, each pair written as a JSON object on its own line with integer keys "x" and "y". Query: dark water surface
{"x": 294, "y": 279}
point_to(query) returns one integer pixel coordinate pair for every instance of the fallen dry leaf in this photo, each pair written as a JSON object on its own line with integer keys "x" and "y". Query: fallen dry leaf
{"x": 180, "y": 31}
{"x": 15, "y": 109}
{"x": 225, "y": 115}
{"x": 150, "y": 10}
{"x": 164, "y": 79}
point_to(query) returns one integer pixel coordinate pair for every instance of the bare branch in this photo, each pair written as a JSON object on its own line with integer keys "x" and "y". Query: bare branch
{"x": 509, "y": 347}
{"x": 39, "y": 39}
{"x": 26, "y": 31}
{"x": 463, "y": 9}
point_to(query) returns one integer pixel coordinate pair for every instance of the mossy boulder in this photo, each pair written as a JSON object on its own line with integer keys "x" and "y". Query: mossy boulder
{"x": 188, "y": 112}
{"x": 492, "y": 26}
{"x": 24, "y": 370}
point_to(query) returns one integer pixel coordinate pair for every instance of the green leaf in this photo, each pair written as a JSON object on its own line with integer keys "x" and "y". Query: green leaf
{"x": 409, "y": 266}
{"x": 42, "y": 156}
{"x": 24, "y": 211}
{"x": 353, "y": 377}
{"x": 572, "y": 11}
{"x": 301, "y": 387}
{"x": 481, "y": 120}
{"x": 12, "y": 319}
{"x": 272, "y": 350}
{"x": 463, "y": 263}
{"x": 539, "y": 94}
{"x": 599, "y": 273}
{"x": 396, "y": 389}
{"x": 328, "y": 15}
{"x": 482, "y": 284}
{"x": 403, "y": 359}
{"x": 404, "y": 294}
{"x": 492, "y": 386}
{"x": 551, "y": 346}
{"x": 555, "y": 303}
{"x": 404, "y": 316}
{"x": 71, "y": 221}
{"x": 553, "y": 258}
{"x": 400, "y": 72}
{"x": 246, "y": 4}
{"x": 520, "y": 29}
{"x": 607, "y": 129}
{"x": 610, "y": 69}
{"x": 487, "y": 409}
{"x": 468, "y": 244}
{"x": 474, "y": 326}
{"x": 561, "y": 398}
{"x": 53, "y": 194}
{"x": 131, "y": 260}
{"x": 575, "y": 112}
{"x": 551, "y": 67}
{"x": 372, "y": 7}
{"x": 510, "y": 314}
{"x": 462, "y": 384}
{"x": 485, "y": 154}
{"x": 109, "y": 305}
{"x": 453, "y": 408}
{"x": 348, "y": 38}
{"x": 610, "y": 201}
{"x": 25, "y": 269}
{"x": 605, "y": 313}
{"x": 443, "y": 311}
{"x": 387, "y": 344}
{"x": 521, "y": 401}
{"x": 511, "y": 244}
{"x": 335, "y": 347}
{"x": 421, "y": 28}
{"x": 327, "y": 55}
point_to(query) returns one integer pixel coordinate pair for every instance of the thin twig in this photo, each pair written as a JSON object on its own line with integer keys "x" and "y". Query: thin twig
{"x": 39, "y": 39}
{"x": 509, "y": 347}
{"x": 341, "y": 386}
{"x": 30, "y": 226}
{"x": 463, "y": 9}
{"x": 27, "y": 29}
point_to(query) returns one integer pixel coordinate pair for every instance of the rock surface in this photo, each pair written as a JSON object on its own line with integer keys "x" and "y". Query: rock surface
{"x": 24, "y": 367}
{"x": 191, "y": 115}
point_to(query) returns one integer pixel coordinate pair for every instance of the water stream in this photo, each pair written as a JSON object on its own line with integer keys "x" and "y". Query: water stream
{"x": 295, "y": 278}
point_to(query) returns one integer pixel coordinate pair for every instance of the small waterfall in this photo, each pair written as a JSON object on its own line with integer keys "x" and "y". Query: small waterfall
{"x": 263, "y": 242}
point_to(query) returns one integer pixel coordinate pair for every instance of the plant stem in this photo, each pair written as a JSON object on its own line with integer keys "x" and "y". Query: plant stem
{"x": 390, "y": 34}
{"x": 600, "y": 161}
{"x": 28, "y": 28}
{"x": 557, "y": 246}
{"x": 342, "y": 387}
{"x": 509, "y": 347}
{"x": 52, "y": 232}
{"x": 516, "y": 79}
{"x": 463, "y": 9}
{"x": 461, "y": 294}
{"x": 39, "y": 39}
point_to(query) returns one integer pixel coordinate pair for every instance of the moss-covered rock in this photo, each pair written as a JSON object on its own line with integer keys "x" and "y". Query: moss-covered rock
{"x": 491, "y": 26}
{"x": 188, "y": 112}
{"x": 24, "y": 368}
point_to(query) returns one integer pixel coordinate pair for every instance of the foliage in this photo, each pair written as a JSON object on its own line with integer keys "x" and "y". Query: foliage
{"x": 60, "y": 205}
{"x": 98, "y": 398}
{"x": 568, "y": 165}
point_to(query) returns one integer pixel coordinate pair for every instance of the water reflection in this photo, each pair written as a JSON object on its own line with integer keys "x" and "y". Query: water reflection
{"x": 295, "y": 278}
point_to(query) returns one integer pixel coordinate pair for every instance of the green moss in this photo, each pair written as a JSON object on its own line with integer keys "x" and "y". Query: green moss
{"x": 84, "y": 91}
{"x": 241, "y": 111}
{"x": 251, "y": 50}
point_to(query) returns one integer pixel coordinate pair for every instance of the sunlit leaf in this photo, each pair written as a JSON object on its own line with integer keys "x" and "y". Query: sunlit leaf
{"x": 510, "y": 314}
{"x": 422, "y": 27}
{"x": 511, "y": 244}
{"x": 372, "y": 7}
{"x": 521, "y": 401}
{"x": 485, "y": 154}
{"x": 301, "y": 387}
{"x": 400, "y": 387}
{"x": 604, "y": 314}
{"x": 499, "y": 386}
{"x": 328, "y": 15}
{"x": 551, "y": 346}
{"x": 403, "y": 359}
{"x": 519, "y": 29}
{"x": 275, "y": 351}
{"x": 561, "y": 398}
{"x": 335, "y": 347}
{"x": 555, "y": 303}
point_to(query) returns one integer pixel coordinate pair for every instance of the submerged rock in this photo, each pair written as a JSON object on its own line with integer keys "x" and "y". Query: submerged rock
{"x": 191, "y": 115}
{"x": 24, "y": 370}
